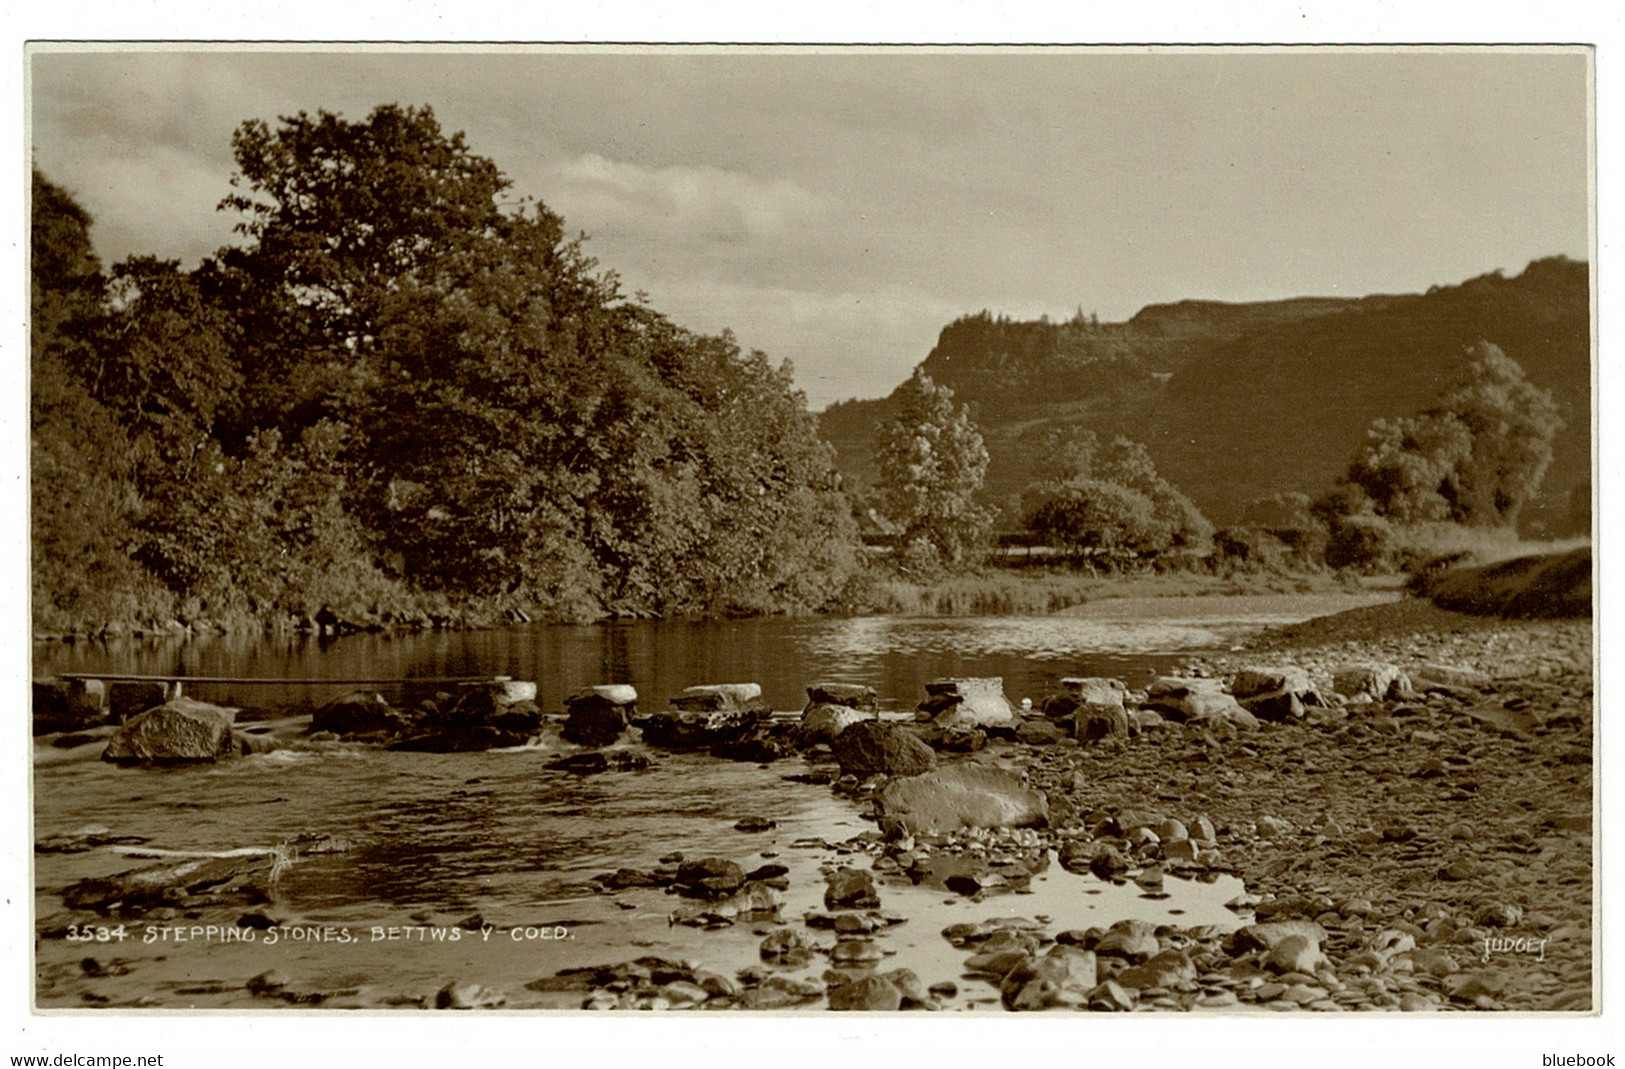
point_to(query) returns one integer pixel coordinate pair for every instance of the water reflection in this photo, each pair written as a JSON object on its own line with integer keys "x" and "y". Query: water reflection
{"x": 894, "y": 655}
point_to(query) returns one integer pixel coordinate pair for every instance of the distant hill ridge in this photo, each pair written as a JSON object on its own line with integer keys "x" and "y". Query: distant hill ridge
{"x": 1240, "y": 400}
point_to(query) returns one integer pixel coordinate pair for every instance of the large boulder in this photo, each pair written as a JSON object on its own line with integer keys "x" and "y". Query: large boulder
{"x": 965, "y": 795}
{"x": 871, "y": 747}
{"x": 359, "y": 713}
{"x": 67, "y": 705}
{"x": 851, "y": 695}
{"x": 968, "y": 702}
{"x": 180, "y": 730}
{"x": 598, "y": 716}
{"x": 720, "y": 698}
{"x": 1099, "y": 711}
{"x": 1197, "y": 700}
{"x": 822, "y": 722}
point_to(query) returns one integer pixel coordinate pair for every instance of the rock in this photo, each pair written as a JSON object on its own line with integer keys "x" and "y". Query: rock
{"x": 1295, "y": 953}
{"x": 1268, "y": 935}
{"x": 1202, "y": 707}
{"x": 359, "y": 713}
{"x": 1518, "y": 723}
{"x": 1376, "y": 680}
{"x": 964, "y": 795}
{"x": 1110, "y": 997}
{"x": 593, "y": 762}
{"x": 856, "y": 952}
{"x": 1255, "y": 680}
{"x": 1134, "y": 940}
{"x": 944, "y": 989}
{"x": 720, "y": 698}
{"x": 755, "y": 901}
{"x": 194, "y": 882}
{"x": 822, "y": 722}
{"x": 596, "y": 720}
{"x": 786, "y": 947}
{"x": 1042, "y": 733}
{"x": 1167, "y": 692}
{"x": 968, "y": 702}
{"x": 1280, "y": 707}
{"x": 1164, "y": 969}
{"x": 851, "y": 695}
{"x": 178, "y": 731}
{"x": 1100, "y": 713}
{"x": 780, "y": 992}
{"x": 700, "y": 731}
{"x": 851, "y": 889}
{"x": 959, "y": 739}
{"x": 67, "y": 705}
{"x": 467, "y": 996}
{"x": 1171, "y": 830}
{"x": 1034, "y": 984}
{"x": 711, "y": 877}
{"x": 1181, "y": 850}
{"x": 871, "y": 993}
{"x": 1433, "y": 675}
{"x": 871, "y": 747}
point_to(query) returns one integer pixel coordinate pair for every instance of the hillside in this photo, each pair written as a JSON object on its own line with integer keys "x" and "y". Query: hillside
{"x": 1237, "y": 401}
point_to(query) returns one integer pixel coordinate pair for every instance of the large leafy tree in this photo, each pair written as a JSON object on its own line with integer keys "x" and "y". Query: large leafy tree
{"x": 932, "y": 463}
{"x": 516, "y": 425}
{"x": 1475, "y": 457}
{"x": 1091, "y": 497}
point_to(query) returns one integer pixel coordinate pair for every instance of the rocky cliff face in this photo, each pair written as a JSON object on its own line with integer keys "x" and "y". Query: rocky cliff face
{"x": 1238, "y": 401}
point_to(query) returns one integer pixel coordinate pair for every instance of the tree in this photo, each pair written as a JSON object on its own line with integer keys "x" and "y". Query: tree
{"x": 83, "y": 501}
{"x": 518, "y": 427}
{"x": 1091, "y": 497}
{"x": 1090, "y": 515}
{"x": 1476, "y": 457}
{"x": 932, "y": 462}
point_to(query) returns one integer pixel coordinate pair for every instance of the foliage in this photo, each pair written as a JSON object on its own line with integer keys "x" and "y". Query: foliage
{"x": 1094, "y": 499}
{"x": 1476, "y": 457}
{"x": 1363, "y": 542}
{"x": 405, "y": 388}
{"x": 932, "y": 462}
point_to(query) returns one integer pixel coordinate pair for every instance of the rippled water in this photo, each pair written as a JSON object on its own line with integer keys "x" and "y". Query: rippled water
{"x": 433, "y": 839}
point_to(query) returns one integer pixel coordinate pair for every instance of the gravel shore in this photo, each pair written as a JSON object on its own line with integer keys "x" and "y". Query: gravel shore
{"x": 1456, "y": 822}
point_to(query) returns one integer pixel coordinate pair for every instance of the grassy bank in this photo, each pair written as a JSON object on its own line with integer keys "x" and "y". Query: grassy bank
{"x": 1547, "y": 586}
{"x": 1036, "y": 592}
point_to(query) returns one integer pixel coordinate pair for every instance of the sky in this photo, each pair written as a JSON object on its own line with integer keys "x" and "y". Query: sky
{"x": 839, "y": 207}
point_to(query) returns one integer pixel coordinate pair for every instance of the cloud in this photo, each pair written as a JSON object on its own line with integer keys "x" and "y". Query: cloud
{"x": 709, "y": 203}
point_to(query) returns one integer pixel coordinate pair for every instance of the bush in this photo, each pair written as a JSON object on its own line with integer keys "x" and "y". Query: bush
{"x": 1365, "y": 543}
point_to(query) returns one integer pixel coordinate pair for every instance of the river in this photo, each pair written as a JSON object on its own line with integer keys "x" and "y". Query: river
{"x": 422, "y": 842}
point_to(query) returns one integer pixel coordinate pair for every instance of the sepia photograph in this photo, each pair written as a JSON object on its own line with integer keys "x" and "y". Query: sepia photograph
{"x": 932, "y": 530}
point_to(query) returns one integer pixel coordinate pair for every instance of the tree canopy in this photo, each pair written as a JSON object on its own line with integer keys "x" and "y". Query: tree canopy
{"x": 1475, "y": 457}
{"x": 932, "y": 462}
{"x": 405, "y": 384}
{"x": 1094, "y": 498}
